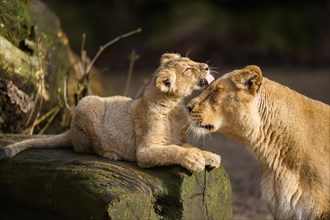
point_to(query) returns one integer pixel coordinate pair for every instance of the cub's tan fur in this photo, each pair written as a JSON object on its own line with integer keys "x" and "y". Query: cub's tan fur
{"x": 287, "y": 132}
{"x": 149, "y": 130}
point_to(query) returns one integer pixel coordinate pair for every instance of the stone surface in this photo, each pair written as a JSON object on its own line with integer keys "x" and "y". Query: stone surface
{"x": 63, "y": 184}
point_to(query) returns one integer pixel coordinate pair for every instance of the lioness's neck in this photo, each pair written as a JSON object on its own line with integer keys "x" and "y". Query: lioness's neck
{"x": 274, "y": 141}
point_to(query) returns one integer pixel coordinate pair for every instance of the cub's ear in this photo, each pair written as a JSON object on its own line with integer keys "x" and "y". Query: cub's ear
{"x": 165, "y": 81}
{"x": 249, "y": 78}
{"x": 169, "y": 56}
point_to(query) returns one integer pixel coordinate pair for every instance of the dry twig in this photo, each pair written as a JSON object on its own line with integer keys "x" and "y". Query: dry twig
{"x": 140, "y": 91}
{"x": 82, "y": 89}
{"x": 132, "y": 57}
{"x": 105, "y": 46}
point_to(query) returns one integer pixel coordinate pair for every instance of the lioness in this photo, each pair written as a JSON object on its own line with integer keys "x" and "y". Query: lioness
{"x": 149, "y": 130}
{"x": 287, "y": 132}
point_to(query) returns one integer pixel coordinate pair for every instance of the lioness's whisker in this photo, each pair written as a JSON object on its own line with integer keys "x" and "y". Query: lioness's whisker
{"x": 189, "y": 128}
{"x": 209, "y": 134}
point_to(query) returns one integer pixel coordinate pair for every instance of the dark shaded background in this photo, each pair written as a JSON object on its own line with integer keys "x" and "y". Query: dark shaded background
{"x": 226, "y": 33}
{"x": 289, "y": 40}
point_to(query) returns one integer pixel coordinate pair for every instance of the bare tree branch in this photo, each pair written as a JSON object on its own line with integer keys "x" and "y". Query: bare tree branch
{"x": 105, "y": 46}
{"x": 132, "y": 57}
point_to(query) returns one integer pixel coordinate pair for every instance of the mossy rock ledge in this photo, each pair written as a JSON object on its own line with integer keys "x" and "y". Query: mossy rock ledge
{"x": 63, "y": 184}
{"x": 35, "y": 62}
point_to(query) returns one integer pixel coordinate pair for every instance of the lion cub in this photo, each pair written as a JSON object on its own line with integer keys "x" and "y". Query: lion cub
{"x": 287, "y": 132}
{"x": 149, "y": 130}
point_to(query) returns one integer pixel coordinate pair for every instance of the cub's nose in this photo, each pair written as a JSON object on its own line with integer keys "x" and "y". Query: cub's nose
{"x": 203, "y": 82}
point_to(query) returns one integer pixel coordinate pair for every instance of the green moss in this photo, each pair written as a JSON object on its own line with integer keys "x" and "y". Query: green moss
{"x": 34, "y": 32}
{"x": 217, "y": 195}
{"x": 211, "y": 190}
{"x": 132, "y": 206}
{"x": 15, "y": 21}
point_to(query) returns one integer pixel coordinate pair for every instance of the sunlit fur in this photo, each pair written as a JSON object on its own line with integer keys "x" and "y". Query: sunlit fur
{"x": 148, "y": 130}
{"x": 287, "y": 132}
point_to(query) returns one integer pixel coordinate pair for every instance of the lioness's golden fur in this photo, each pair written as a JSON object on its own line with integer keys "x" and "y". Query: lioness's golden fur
{"x": 149, "y": 130}
{"x": 287, "y": 132}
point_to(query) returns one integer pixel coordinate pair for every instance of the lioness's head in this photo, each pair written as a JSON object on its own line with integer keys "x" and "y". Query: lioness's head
{"x": 180, "y": 76}
{"x": 228, "y": 103}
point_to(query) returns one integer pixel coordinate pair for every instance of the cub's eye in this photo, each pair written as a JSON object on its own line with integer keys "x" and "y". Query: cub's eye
{"x": 187, "y": 69}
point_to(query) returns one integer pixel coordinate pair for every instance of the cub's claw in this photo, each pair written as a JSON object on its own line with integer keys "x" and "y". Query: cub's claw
{"x": 193, "y": 161}
{"x": 211, "y": 159}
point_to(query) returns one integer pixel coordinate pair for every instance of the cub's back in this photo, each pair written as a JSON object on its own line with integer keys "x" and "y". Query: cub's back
{"x": 117, "y": 124}
{"x": 107, "y": 120}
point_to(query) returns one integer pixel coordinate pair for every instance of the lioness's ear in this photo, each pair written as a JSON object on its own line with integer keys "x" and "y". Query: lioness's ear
{"x": 165, "y": 81}
{"x": 169, "y": 56}
{"x": 249, "y": 78}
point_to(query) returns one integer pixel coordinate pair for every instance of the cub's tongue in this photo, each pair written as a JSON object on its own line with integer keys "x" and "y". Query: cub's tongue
{"x": 206, "y": 81}
{"x": 209, "y": 78}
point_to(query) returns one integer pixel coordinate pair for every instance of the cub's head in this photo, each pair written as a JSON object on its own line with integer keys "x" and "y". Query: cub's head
{"x": 228, "y": 104}
{"x": 179, "y": 76}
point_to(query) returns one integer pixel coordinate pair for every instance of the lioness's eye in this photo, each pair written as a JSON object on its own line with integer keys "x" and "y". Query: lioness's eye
{"x": 186, "y": 69}
{"x": 214, "y": 96}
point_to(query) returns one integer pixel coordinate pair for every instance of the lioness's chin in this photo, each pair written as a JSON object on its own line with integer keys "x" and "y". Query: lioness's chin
{"x": 204, "y": 129}
{"x": 198, "y": 131}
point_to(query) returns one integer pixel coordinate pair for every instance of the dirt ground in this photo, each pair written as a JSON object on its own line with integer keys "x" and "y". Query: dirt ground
{"x": 241, "y": 166}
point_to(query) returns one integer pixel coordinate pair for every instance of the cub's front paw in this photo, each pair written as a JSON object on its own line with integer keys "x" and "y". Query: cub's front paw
{"x": 193, "y": 161}
{"x": 211, "y": 159}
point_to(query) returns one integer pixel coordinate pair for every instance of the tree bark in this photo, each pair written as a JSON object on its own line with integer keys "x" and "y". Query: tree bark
{"x": 17, "y": 103}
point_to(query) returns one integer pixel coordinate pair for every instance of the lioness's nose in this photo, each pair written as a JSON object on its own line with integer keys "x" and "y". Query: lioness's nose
{"x": 190, "y": 107}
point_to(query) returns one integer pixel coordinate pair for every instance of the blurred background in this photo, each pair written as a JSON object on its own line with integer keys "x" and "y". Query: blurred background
{"x": 228, "y": 33}
{"x": 289, "y": 40}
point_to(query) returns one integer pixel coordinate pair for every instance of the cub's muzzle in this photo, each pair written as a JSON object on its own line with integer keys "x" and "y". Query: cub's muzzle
{"x": 206, "y": 81}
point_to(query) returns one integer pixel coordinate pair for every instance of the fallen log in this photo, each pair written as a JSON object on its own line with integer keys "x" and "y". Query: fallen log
{"x": 63, "y": 184}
